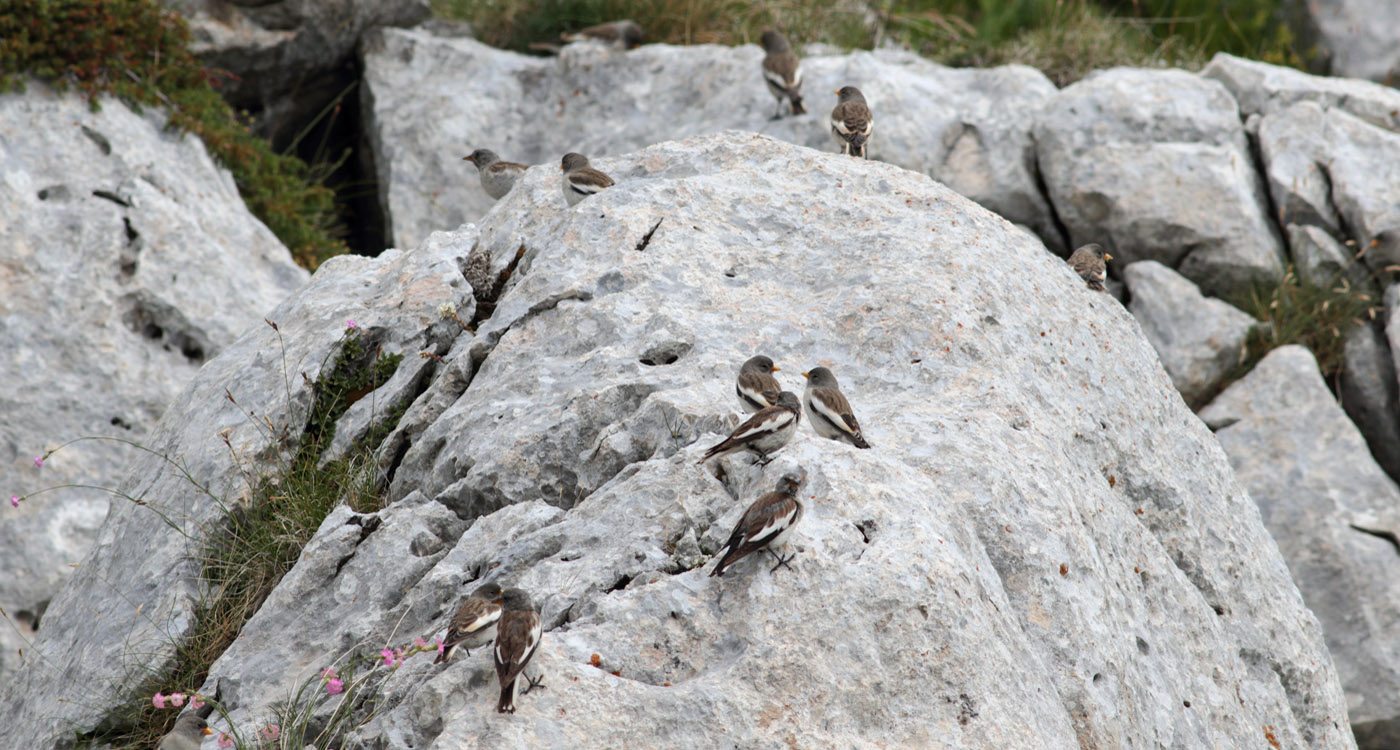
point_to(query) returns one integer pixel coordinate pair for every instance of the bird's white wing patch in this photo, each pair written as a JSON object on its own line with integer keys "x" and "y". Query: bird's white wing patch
{"x": 752, "y": 395}
{"x": 771, "y": 424}
{"x": 819, "y": 406}
{"x": 775, "y": 79}
{"x": 483, "y": 622}
{"x": 585, "y": 187}
{"x": 840, "y": 126}
{"x": 797, "y": 77}
{"x": 773, "y": 526}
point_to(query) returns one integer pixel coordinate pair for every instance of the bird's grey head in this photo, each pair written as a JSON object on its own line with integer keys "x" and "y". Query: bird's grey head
{"x": 773, "y": 42}
{"x": 758, "y": 364}
{"x": 820, "y": 377}
{"x": 573, "y": 161}
{"x": 632, "y": 35}
{"x": 788, "y": 400}
{"x": 849, "y": 94}
{"x": 482, "y": 158}
{"x": 191, "y": 725}
{"x": 790, "y": 482}
{"x": 490, "y": 592}
{"x": 1093, "y": 249}
{"x": 516, "y": 599}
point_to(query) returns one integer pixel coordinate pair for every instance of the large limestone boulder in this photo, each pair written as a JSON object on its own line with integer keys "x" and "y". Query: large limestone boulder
{"x": 429, "y": 101}
{"x": 1261, "y": 88}
{"x": 1352, "y": 38}
{"x": 1044, "y": 548}
{"x": 130, "y": 261}
{"x": 1155, "y": 165}
{"x": 1200, "y": 339}
{"x": 1335, "y": 515}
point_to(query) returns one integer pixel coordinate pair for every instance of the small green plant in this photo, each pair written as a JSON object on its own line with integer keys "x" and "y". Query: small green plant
{"x": 1297, "y": 311}
{"x": 138, "y": 51}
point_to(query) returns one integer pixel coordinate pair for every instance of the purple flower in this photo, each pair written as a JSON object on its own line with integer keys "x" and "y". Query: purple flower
{"x": 334, "y": 685}
{"x": 14, "y": 501}
{"x": 351, "y": 323}
{"x": 158, "y": 700}
{"x": 388, "y": 657}
{"x": 39, "y": 462}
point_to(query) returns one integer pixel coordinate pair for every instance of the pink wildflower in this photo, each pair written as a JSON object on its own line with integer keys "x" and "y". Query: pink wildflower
{"x": 177, "y": 699}
{"x": 440, "y": 647}
{"x": 14, "y": 501}
{"x": 420, "y": 644}
{"x": 351, "y": 323}
{"x": 38, "y": 462}
{"x": 327, "y": 673}
{"x": 158, "y": 700}
{"x": 388, "y": 657}
{"x": 196, "y": 701}
{"x": 334, "y": 686}
{"x": 225, "y": 740}
{"x": 271, "y": 731}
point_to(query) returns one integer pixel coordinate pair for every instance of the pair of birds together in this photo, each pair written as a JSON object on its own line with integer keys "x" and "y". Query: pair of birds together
{"x": 509, "y": 617}
{"x": 851, "y": 121}
{"x": 498, "y": 177}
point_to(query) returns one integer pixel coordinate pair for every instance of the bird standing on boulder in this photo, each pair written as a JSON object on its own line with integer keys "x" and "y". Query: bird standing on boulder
{"x": 497, "y": 176}
{"x": 765, "y": 432}
{"x": 189, "y": 729}
{"x": 475, "y": 622}
{"x": 517, "y": 637}
{"x": 829, "y": 410}
{"x": 782, "y": 72}
{"x": 765, "y": 525}
{"x": 580, "y": 179}
{"x": 622, "y": 35}
{"x": 851, "y": 121}
{"x": 757, "y": 388}
{"x": 1088, "y": 262}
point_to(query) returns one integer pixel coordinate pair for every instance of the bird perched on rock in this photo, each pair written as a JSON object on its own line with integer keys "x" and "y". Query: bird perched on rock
{"x": 782, "y": 72}
{"x": 474, "y": 624}
{"x": 189, "y": 729}
{"x": 517, "y": 637}
{"x": 1088, "y": 262}
{"x": 765, "y": 432}
{"x": 829, "y": 410}
{"x": 580, "y": 179}
{"x": 757, "y": 388}
{"x": 765, "y": 525}
{"x": 624, "y": 34}
{"x": 851, "y": 121}
{"x": 497, "y": 176}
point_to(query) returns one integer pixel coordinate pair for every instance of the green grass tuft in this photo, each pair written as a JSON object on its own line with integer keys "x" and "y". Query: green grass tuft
{"x": 1297, "y": 311}
{"x": 138, "y": 51}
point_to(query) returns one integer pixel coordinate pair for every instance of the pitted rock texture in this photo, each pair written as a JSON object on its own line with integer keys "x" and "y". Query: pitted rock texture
{"x": 1044, "y": 548}
{"x": 129, "y": 261}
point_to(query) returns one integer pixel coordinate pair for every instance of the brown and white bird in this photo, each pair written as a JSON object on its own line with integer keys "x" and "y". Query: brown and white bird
{"x": 757, "y": 388}
{"x": 766, "y": 525}
{"x": 765, "y": 432}
{"x": 517, "y": 636}
{"x": 497, "y": 176}
{"x": 580, "y": 179}
{"x": 851, "y": 121}
{"x": 474, "y": 625}
{"x": 829, "y": 410}
{"x": 782, "y": 71}
{"x": 624, "y": 34}
{"x": 189, "y": 729}
{"x": 1088, "y": 262}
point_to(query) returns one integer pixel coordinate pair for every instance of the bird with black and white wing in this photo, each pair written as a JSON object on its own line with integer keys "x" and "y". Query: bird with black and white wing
{"x": 851, "y": 121}
{"x": 517, "y": 637}
{"x": 764, "y": 433}
{"x": 474, "y": 624}
{"x": 581, "y": 179}
{"x": 782, "y": 71}
{"x": 757, "y": 388}
{"x": 497, "y": 176}
{"x": 766, "y": 525}
{"x": 828, "y": 409}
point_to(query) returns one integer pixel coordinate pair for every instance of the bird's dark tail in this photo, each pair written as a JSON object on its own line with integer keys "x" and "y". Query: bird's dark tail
{"x": 715, "y": 451}
{"x": 506, "y": 705}
{"x": 859, "y": 441}
{"x": 797, "y": 108}
{"x": 446, "y": 654}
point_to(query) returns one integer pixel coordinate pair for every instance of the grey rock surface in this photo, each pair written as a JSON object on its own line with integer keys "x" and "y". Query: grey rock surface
{"x": 1261, "y": 88}
{"x": 140, "y": 582}
{"x": 1330, "y": 168}
{"x": 1370, "y": 393}
{"x": 128, "y": 261}
{"x": 289, "y": 58}
{"x": 1351, "y": 38}
{"x": 428, "y": 101}
{"x": 1322, "y": 260}
{"x": 1045, "y": 548}
{"x": 1155, "y": 165}
{"x": 1199, "y": 339}
{"x": 1333, "y": 512}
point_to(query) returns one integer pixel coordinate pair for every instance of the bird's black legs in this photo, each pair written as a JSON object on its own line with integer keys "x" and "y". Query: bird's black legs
{"x": 534, "y": 682}
{"x": 782, "y": 561}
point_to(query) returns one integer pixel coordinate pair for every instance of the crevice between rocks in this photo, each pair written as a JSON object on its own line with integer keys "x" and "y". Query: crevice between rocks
{"x": 1386, "y": 534}
{"x": 1044, "y": 190}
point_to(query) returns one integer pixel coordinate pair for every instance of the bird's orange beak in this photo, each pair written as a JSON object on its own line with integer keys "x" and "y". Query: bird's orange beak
{"x": 206, "y": 730}
{"x": 837, "y": 92}
{"x": 1106, "y": 256}
{"x": 806, "y": 375}
{"x": 775, "y": 368}
{"x": 466, "y": 158}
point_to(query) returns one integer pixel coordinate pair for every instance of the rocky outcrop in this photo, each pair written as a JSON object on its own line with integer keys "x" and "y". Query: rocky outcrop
{"x": 1044, "y": 548}
{"x": 1199, "y": 339}
{"x": 429, "y": 101}
{"x": 130, "y": 261}
{"x": 1352, "y": 38}
{"x": 289, "y": 59}
{"x": 1334, "y": 514}
{"x": 1370, "y": 393}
